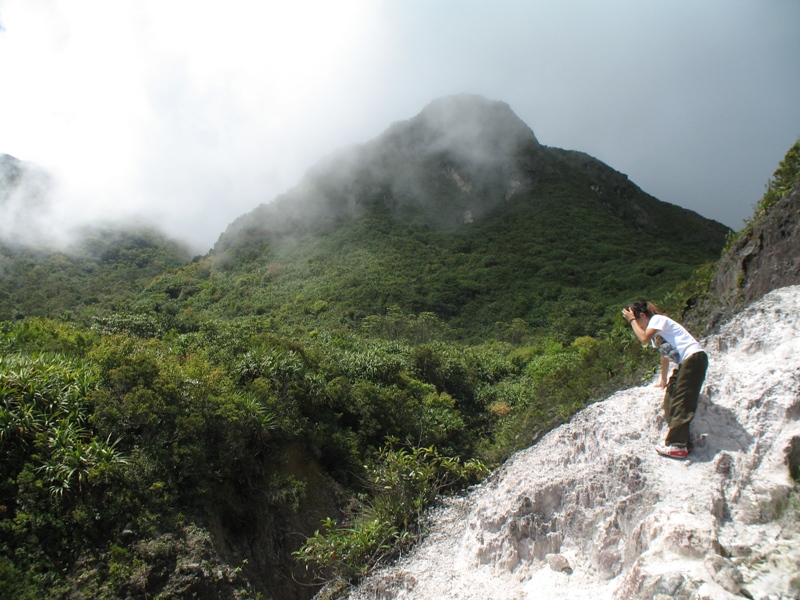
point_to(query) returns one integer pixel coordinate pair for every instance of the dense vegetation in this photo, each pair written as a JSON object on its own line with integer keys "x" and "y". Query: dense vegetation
{"x": 786, "y": 176}
{"x": 102, "y": 272}
{"x": 522, "y": 262}
{"x": 167, "y": 428}
{"x": 111, "y": 440}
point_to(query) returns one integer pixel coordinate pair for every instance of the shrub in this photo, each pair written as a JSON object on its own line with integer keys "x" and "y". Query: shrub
{"x": 786, "y": 176}
{"x": 402, "y": 483}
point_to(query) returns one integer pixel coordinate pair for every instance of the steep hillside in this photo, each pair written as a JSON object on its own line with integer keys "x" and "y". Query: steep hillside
{"x": 102, "y": 272}
{"x": 458, "y": 212}
{"x": 763, "y": 256}
{"x": 593, "y": 512}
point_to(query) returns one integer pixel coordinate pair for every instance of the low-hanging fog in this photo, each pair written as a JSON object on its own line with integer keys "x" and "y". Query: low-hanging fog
{"x": 193, "y": 113}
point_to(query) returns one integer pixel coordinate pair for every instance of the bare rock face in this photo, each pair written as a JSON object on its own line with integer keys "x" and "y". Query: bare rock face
{"x": 765, "y": 258}
{"x": 628, "y": 523}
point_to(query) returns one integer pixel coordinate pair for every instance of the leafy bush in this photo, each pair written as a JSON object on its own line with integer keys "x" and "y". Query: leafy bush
{"x": 403, "y": 482}
{"x": 52, "y": 458}
{"x": 44, "y": 413}
{"x": 183, "y": 412}
{"x": 786, "y": 176}
{"x": 415, "y": 329}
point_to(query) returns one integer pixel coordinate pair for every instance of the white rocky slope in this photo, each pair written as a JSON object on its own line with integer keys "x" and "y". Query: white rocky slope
{"x": 592, "y": 511}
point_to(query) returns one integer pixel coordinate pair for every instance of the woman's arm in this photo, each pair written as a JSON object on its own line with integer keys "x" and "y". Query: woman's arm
{"x": 644, "y": 335}
{"x": 664, "y": 370}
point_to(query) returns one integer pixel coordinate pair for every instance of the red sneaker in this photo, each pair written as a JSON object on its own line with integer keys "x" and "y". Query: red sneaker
{"x": 672, "y": 451}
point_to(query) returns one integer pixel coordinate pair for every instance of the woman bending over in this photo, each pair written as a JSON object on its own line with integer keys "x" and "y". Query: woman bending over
{"x": 677, "y": 345}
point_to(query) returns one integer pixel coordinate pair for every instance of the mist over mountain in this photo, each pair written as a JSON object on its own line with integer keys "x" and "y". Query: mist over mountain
{"x": 458, "y": 211}
{"x": 461, "y": 157}
{"x": 459, "y": 154}
{"x": 24, "y": 202}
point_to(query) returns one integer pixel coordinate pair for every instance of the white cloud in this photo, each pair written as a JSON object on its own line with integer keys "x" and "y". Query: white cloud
{"x": 180, "y": 110}
{"x": 195, "y": 112}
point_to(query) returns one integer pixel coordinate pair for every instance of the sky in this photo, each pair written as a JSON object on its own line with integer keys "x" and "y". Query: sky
{"x": 191, "y": 113}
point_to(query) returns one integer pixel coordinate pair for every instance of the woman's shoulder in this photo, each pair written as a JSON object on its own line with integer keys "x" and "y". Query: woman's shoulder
{"x": 659, "y": 322}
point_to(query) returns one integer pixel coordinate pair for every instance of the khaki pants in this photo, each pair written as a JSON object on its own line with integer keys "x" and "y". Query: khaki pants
{"x": 680, "y": 400}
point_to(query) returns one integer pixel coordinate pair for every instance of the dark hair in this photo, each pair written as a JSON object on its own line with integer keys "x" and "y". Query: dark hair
{"x": 644, "y": 308}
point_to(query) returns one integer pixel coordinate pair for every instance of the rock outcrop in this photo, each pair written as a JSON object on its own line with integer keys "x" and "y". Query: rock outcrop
{"x": 765, "y": 257}
{"x": 620, "y": 522}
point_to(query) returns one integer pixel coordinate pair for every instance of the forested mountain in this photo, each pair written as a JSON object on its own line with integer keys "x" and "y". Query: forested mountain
{"x": 277, "y": 413}
{"x": 459, "y": 212}
{"x": 101, "y": 272}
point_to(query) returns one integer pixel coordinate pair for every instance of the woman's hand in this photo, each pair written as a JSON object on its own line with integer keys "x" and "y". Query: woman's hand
{"x": 628, "y": 314}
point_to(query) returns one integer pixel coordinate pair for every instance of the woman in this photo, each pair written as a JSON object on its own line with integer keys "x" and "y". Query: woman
{"x": 683, "y": 389}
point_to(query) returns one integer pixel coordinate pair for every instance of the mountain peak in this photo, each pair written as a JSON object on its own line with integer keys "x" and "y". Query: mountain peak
{"x": 459, "y": 155}
{"x": 474, "y": 127}
{"x": 464, "y": 160}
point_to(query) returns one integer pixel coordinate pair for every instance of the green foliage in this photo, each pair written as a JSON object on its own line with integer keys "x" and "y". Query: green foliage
{"x": 786, "y": 176}
{"x": 102, "y": 272}
{"x": 687, "y": 293}
{"x": 125, "y": 438}
{"x": 399, "y": 268}
{"x": 403, "y": 482}
{"x": 14, "y": 583}
{"x": 553, "y": 381}
{"x": 177, "y": 415}
{"x": 415, "y": 329}
{"x": 400, "y": 279}
{"x": 143, "y": 325}
{"x": 51, "y": 459}
{"x": 43, "y": 418}
{"x": 184, "y": 413}
{"x": 37, "y": 335}
{"x": 162, "y": 428}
